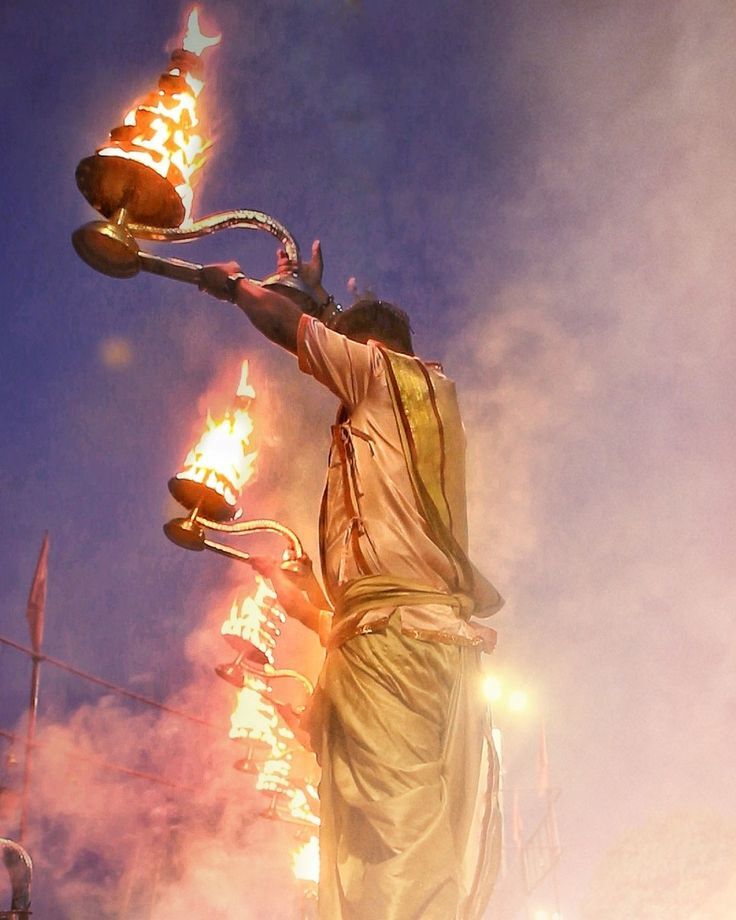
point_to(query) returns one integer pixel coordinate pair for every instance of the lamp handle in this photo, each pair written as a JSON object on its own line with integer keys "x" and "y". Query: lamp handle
{"x": 111, "y": 247}
{"x": 239, "y": 219}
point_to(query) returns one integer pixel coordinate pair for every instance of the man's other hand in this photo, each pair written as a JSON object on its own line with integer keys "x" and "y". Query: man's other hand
{"x": 310, "y": 271}
{"x": 488, "y": 637}
{"x": 284, "y": 582}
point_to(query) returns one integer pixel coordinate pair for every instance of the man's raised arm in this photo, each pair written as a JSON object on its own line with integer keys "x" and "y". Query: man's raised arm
{"x": 271, "y": 312}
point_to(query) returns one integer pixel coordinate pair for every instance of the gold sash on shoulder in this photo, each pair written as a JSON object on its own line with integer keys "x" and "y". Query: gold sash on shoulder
{"x": 437, "y": 473}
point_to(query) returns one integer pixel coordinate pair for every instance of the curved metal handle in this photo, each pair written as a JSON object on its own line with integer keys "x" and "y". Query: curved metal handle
{"x": 189, "y": 533}
{"x": 256, "y": 526}
{"x": 111, "y": 247}
{"x": 240, "y": 219}
{"x": 272, "y": 673}
{"x": 299, "y": 563}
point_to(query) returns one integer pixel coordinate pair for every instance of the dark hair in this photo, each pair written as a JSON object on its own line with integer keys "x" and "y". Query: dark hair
{"x": 382, "y": 320}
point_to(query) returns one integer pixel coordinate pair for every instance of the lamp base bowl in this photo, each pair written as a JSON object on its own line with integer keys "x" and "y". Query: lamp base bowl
{"x": 110, "y": 183}
{"x": 252, "y": 654}
{"x": 209, "y": 501}
{"x": 233, "y": 673}
{"x": 108, "y": 248}
{"x": 186, "y": 533}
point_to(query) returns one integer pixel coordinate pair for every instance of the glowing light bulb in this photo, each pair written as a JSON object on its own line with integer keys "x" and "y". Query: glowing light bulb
{"x": 492, "y": 689}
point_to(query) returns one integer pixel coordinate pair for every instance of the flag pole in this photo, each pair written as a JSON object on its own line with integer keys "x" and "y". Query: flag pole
{"x": 35, "y": 613}
{"x": 30, "y": 734}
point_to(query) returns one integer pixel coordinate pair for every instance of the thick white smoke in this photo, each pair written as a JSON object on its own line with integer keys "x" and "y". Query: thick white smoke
{"x": 599, "y": 395}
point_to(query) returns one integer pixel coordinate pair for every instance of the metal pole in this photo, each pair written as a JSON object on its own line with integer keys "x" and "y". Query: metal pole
{"x": 30, "y": 735}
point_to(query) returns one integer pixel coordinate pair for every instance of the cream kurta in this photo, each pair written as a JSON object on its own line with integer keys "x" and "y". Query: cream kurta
{"x": 381, "y": 516}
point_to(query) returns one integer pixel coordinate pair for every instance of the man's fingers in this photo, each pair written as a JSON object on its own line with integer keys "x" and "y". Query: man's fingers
{"x": 283, "y": 264}
{"x": 317, "y": 261}
{"x": 488, "y": 636}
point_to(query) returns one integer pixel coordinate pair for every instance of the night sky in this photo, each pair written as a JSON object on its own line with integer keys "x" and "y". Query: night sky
{"x": 548, "y": 188}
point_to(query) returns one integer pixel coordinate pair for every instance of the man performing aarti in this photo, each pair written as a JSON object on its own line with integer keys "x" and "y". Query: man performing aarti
{"x": 410, "y": 827}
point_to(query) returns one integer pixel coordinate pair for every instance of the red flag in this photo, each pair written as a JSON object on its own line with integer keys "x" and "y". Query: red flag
{"x": 542, "y": 764}
{"x": 37, "y": 598}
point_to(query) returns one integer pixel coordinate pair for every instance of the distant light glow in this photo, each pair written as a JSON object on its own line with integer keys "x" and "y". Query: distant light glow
{"x": 492, "y": 689}
{"x": 115, "y": 352}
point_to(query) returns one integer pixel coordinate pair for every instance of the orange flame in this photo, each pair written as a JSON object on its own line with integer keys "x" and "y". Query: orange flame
{"x": 257, "y": 619}
{"x": 161, "y": 131}
{"x": 273, "y": 774}
{"x": 194, "y": 40}
{"x": 221, "y": 459}
{"x": 305, "y": 861}
{"x": 253, "y": 718}
{"x": 303, "y": 805}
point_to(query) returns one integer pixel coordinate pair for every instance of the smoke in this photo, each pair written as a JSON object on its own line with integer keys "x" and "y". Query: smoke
{"x": 598, "y": 390}
{"x": 109, "y": 844}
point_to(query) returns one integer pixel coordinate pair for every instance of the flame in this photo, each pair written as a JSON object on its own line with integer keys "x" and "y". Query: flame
{"x": 194, "y": 40}
{"x": 257, "y": 619}
{"x": 253, "y": 718}
{"x": 303, "y": 805}
{"x": 161, "y": 131}
{"x": 305, "y": 861}
{"x": 221, "y": 459}
{"x": 245, "y": 389}
{"x": 273, "y": 774}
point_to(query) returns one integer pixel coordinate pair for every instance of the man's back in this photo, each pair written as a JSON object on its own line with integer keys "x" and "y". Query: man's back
{"x": 372, "y": 522}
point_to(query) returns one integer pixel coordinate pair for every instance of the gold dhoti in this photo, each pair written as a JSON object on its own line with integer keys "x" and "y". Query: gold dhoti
{"x": 400, "y": 728}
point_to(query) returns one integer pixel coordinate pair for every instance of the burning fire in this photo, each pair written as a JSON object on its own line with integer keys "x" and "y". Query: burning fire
{"x": 305, "y": 861}
{"x": 221, "y": 459}
{"x": 256, "y": 619}
{"x": 273, "y": 751}
{"x": 254, "y": 718}
{"x": 303, "y": 805}
{"x": 273, "y": 775}
{"x": 161, "y": 131}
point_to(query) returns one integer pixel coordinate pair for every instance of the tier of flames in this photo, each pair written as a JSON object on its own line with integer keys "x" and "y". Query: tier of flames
{"x": 257, "y": 619}
{"x": 271, "y": 743}
{"x": 163, "y": 130}
{"x": 222, "y": 459}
